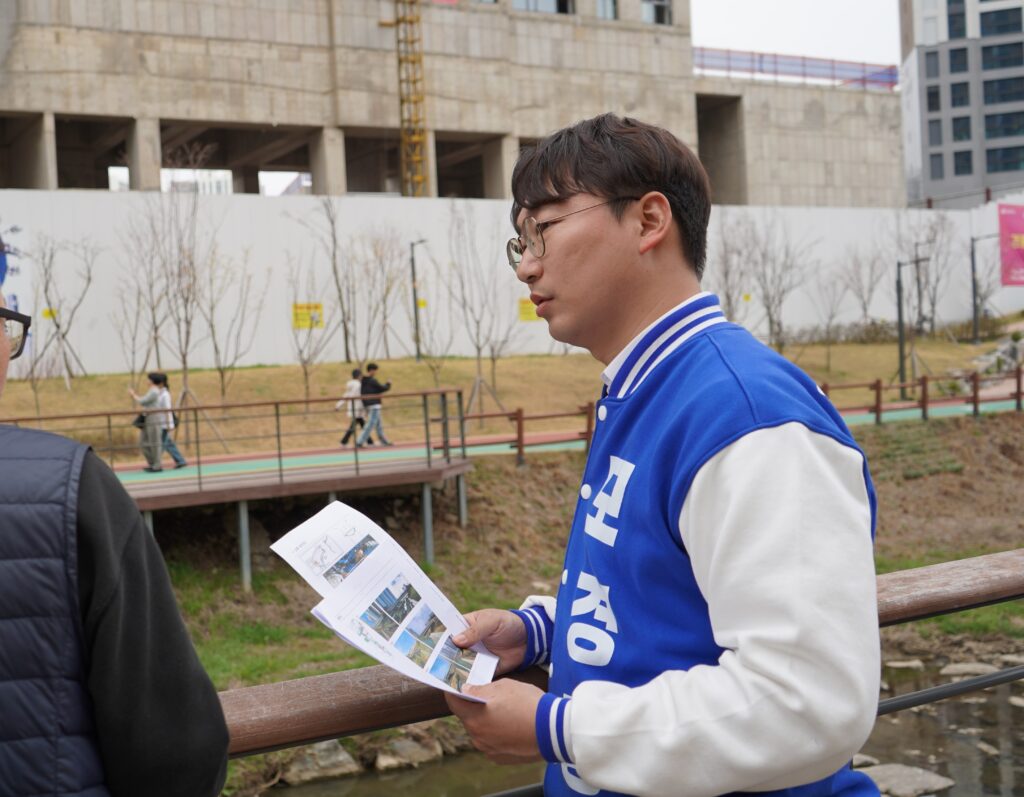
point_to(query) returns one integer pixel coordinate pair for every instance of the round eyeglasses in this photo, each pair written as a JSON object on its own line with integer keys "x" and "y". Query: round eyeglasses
{"x": 15, "y": 331}
{"x": 532, "y": 236}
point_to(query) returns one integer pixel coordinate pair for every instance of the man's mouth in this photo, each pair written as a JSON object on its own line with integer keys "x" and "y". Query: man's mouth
{"x": 538, "y": 300}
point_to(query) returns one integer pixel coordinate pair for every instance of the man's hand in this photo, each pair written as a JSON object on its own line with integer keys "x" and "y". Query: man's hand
{"x": 503, "y": 727}
{"x": 502, "y": 633}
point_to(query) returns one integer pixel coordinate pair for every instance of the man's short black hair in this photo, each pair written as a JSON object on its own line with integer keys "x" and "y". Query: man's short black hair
{"x": 611, "y": 156}
{"x": 356, "y": 373}
{"x": 371, "y": 367}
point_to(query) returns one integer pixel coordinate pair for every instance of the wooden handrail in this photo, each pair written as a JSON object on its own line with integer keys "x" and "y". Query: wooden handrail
{"x": 289, "y": 713}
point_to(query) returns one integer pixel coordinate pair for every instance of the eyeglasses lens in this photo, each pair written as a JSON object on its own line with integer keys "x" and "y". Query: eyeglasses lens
{"x": 514, "y": 252}
{"x": 533, "y": 238}
{"x": 14, "y": 332}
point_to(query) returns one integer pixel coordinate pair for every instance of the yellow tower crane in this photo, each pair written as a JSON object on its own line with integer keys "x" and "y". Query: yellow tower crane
{"x": 412, "y": 108}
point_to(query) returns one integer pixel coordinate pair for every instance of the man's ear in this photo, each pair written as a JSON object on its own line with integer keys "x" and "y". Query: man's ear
{"x": 655, "y": 220}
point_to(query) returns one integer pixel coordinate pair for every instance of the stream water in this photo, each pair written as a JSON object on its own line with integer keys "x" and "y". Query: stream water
{"x": 942, "y": 737}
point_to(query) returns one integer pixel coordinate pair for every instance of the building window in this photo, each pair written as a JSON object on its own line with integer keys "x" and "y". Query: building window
{"x": 935, "y": 133}
{"x": 1010, "y": 89}
{"x": 1002, "y": 56}
{"x": 546, "y": 6}
{"x": 931, "y": 64}
{"x": 962, "y": 163}
{"x": 934, "y": 103}
{"x": 962, "y": 128}
{"x": 957, "y": 25}
{"x": 607, "y": 9}
{"x": 959, "y": 95}
{"x": 1002, "y": 125}
{"x": 1005, "y": 159}
{"x": 958, "y": 60}
{"x": 657, "y": 12}
{"x": 936, "y": 166}
{"x": 996, "y": 23}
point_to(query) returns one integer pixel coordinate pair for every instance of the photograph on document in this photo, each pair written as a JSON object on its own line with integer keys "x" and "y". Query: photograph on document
{"x": 387, "y": 611}
{"x": 421, "y": 635}
{"x": 342, "y": 567}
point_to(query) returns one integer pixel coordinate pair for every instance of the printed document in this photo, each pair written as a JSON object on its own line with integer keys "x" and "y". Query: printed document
{"x": 376, "y": 598}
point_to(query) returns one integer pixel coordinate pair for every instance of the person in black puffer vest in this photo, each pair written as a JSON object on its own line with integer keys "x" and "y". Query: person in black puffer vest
{"x": 101, "y": 691}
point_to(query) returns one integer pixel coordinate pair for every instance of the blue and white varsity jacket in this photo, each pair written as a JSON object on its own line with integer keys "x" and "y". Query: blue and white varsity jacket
{"x": 715, "y": 630}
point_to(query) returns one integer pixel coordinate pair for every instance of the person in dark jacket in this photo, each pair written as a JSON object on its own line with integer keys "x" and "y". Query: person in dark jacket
{"x": 370, "y": 389}
{"x": 101, "y": 691}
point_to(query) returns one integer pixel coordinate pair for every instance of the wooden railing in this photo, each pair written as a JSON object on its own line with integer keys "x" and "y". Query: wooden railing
{"x": 289, "y": 713}
{"x": 925, "y": 398}
{"x": 519, "y": 418}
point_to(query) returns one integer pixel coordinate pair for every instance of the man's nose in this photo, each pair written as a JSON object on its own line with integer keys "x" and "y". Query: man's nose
{"x": 529, "y": 267}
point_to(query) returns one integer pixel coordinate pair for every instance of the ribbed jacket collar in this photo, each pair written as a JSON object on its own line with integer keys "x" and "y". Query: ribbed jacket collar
{"x": 642, "y": 355}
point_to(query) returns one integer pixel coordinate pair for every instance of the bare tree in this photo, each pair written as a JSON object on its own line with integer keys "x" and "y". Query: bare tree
{"x": 325, "y": 226}
{"x": 777, "y": 265}
{"x": 129, "y": 320}
{"x": 63, "y": 291}
{"x": 39, "y": 361}
{"x": 309, "y": 341}
{"x": 141, "y": 270}
{"x": 988, "y": 276}
{"x": 862, "y": 273}
{"x": 829, "y": 293}
{"x": 230, "y": 304}
{"x": 504, "y": 329}
{"x": 728, "y": 272}
{"x": 938, "y": 271}
{"x": 377, "y": 264}
{"x": 437, "y": 327}
{"x": 183, "y": 252}
{"x": 471, "y": 285}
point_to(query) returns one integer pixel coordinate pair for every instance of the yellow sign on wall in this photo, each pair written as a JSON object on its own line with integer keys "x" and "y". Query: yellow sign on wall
{"x": 528, "y": 311}
{"x": 309, "y": 315}
{"x": 49, "y": 312}
{"x": 421, "y": 303}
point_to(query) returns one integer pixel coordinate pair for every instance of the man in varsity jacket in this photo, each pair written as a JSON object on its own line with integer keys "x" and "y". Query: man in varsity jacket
{"x": 715, "y": 628}
{"x": 101, "y": 691}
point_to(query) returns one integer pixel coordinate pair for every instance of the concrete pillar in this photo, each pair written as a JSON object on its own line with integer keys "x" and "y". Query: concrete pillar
{"x": 629, "y": 11}
{"x": 327, "y": 162}
{"x": 145, "y": 156}
{"x": 499, "y": 159}
{"x": 430, "y": 156}
{"x": 34, "y": 155}
{"x": 245, "y": 180}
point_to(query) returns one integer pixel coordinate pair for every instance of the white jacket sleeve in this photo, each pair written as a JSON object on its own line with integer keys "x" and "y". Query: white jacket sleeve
{"x": 777, "y": 526}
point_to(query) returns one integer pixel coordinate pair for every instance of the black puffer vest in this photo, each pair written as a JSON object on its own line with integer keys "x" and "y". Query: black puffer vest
{"x": 47, "y": 741}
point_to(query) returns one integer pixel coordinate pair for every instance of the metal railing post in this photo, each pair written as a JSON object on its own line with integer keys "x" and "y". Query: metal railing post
{"x": 199, "y": 456}
{"x": 588, "y": 408}
{"x": 426, "y": 427}
{"x": 520, "y": 438}
{"x": 976, "y": 393}
{"x": 824, "y": 389}
{"x": 878, "y": 401}
{"x": 277, "y": 431}
{"x": 462, "y": 423}
{"x": 244, "y": 547}
{"x": 110, "y": 439}
{"x": 924, "y": 398}
{"x": 445, "y": 431}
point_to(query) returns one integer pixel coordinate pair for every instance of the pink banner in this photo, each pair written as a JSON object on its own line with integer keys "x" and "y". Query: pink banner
{"x": 1011, "y": 243}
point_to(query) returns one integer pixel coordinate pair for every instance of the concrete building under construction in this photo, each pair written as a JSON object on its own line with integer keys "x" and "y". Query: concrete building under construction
{"x": 313, "y": 86}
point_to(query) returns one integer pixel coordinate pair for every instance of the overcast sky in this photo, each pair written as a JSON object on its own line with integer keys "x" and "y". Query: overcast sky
{"x": 847, "y": 30}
